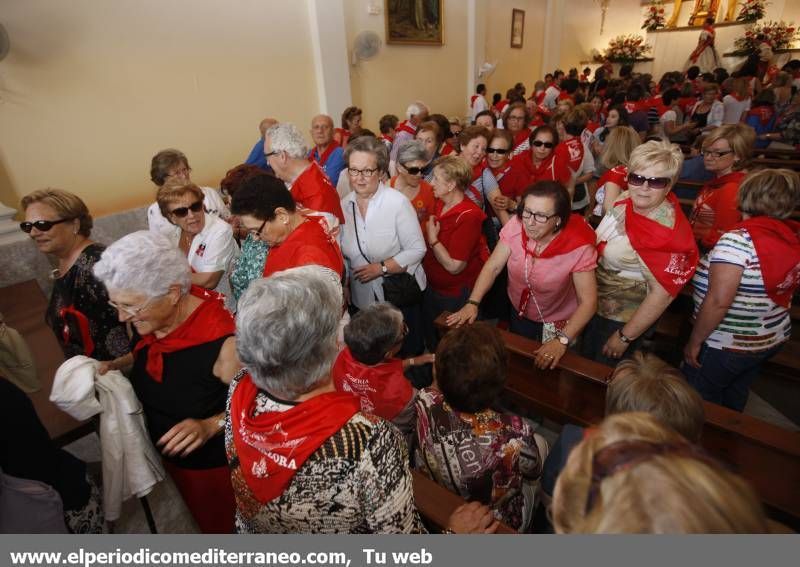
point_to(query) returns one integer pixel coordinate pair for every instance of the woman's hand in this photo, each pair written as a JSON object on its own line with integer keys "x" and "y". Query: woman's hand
{"x": 691, "y": 354}
{"x": 472, "y": 518}
{"x": 432, "y": 228}
{"x": 614, "y": 347}
{"x": 465, "y": 315}
{"x": 427, "y": 358}
{"x": 501, "y": 202}
{"x": 187, "y": 436}
{"x": 367, "y": 273}
{"x": 549, "y": 354}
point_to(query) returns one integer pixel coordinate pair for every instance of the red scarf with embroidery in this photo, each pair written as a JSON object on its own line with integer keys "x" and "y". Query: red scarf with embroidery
{"x": 383, "y": 389}
{"x": 777, "y": 244}
{"x": 575, "y": 234}
{"x": 209, "y": 322}
{"x": 763, "y": 113}
{"x": 273, "y": 445}
{"x": 404, "y": 126}
{"x": 313, "y": 155}
{"x": 669, "y": 253}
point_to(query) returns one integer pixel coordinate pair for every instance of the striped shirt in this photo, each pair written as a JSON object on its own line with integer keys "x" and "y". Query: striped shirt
{"x": 753, "y": 323}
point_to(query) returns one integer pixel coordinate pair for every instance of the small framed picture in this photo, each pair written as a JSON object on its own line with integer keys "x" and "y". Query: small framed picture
{"x": 517, "y": 27}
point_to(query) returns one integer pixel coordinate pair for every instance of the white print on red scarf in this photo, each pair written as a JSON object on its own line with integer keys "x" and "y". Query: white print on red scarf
{"x": 266, "y": 447}
{"x": 678, "y": 266}
{"x": 791, "y": 280}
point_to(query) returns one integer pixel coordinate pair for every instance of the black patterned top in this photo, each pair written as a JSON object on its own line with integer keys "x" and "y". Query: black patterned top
{"x": 358, "y": 481}
{"x": 79, "y": 289}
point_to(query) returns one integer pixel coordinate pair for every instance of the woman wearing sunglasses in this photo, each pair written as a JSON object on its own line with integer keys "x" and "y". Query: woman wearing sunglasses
{"x": 60, "y": 225}
{"x": 543, "y": 165}
{"x": 205, "y": 239}
{"x": 647, "y": 254}
{"x": 551, "y": 259}
{"x": 511, "y": 175}
{"x": 182, "y": 362}
{"x": 411, "y": 161}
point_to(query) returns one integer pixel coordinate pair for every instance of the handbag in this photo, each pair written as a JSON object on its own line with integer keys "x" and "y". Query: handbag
{"x": 401, "y": 290}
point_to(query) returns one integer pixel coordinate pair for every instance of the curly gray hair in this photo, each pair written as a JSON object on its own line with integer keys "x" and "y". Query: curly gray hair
{"x": 144, "y": 262}
{"x": 286, "y": 137}
{"x": 286, "y": 329}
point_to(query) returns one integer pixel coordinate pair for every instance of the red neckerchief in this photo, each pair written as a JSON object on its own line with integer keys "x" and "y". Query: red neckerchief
{"x": 564, "y": 95}
{"x": 344, "y": 134}
{"x": 763, "y": 113}
{"x": 669, "y": 253}
{"x": 273, "y": 445}
{"x": 717, "y": 182}
{"x": 521, "y": 137}
{"x": 539, "y": 97}
{"x": 477, "y": 173}
{"x": 83, "y": 327}
{"x": 500, "y": 173}
{"x": 313, "y": 155}
{"x": 404, "y": 126}
{"x": 472, "y": 100}
{"x": 284, "y": 256}
{"x": 447, "y": 149}
{"x": 777, "y": 244}
{"x": 387, "y": 137}
{"x": 382, "y": 389}
{"x": 209, "y": 322}
{"x": 575, "y": 234}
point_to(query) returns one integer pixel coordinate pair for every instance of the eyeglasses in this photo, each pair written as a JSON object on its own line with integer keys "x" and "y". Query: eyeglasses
{"x": 500, "y": 151}
{"x": 132, "y": 311}
{"x": 181, "y": 212}
{"x": 411, "y": 170}
{"x": 41, "y": 225}
{"x": 539, "y": 144}
{"x": 715, "y": 155}
{"x": 652, "y": 182}
{"x": 182, "y": 171}
{"x": 541, "y": 218}
{"x": 512, "y": 117}
{"x": 270, "y": 154}
{"x": 257, "y": 233}
{"x": 365, "y": 173}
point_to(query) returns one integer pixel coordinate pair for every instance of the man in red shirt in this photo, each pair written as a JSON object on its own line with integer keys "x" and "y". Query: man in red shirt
{"x": 286, "y": 153}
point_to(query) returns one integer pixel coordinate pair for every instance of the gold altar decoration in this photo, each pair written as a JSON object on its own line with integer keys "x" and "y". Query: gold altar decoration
{"x": 676, "y": 12}
{"x": 702, "y": 10}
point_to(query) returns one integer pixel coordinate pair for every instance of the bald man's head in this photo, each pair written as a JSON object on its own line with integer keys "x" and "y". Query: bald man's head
{"x": 322, "y": 129}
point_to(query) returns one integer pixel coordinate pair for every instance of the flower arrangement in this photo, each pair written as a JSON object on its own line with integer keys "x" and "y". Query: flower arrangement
{"x": 752, "y": 10}
{"x": 655, "y": 16}
{"x": 780, "y": 35}
{"x": 626, "y": 49}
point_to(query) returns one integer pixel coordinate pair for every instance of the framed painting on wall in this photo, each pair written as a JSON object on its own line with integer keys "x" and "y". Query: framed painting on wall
{"x": 414, "y": 22}
{"x": 517, "y": 27}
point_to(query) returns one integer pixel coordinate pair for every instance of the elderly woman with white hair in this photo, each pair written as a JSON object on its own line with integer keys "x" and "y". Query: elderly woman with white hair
{"x": 412, "y": 158}
{"x": 416, "y": 113}
{"x": 303, "y": 458}
{"x": 182, "y": 361}
{"x": 647, "y": 254}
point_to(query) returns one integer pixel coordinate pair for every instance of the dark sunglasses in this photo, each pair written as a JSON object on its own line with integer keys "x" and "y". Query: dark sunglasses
{"x": 181, "y": 212}
{"x": 41, "y": 225}
{"x": 414, "y": 170}
{"x": 500, "y": 151}
{"x": 652, "y": 182}
{"x": 548, "y": 145}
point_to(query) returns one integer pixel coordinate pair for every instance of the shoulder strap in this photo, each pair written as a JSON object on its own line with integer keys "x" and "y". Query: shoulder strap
{"x": 355, "y": 228}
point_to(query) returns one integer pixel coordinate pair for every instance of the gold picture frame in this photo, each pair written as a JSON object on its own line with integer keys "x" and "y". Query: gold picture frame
{"x": 414, "y": 22}
{"x": 517, "y": 28}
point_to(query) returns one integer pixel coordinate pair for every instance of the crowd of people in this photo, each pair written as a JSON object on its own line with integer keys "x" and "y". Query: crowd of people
{"x": 281, "y": 332}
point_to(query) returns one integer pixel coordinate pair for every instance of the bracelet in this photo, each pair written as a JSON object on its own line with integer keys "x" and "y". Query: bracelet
{"x": 432, "y": 244}
{"x": 623, "y": 338}
{"x": 473, "y": 302}
{"x": 411, "y": 362}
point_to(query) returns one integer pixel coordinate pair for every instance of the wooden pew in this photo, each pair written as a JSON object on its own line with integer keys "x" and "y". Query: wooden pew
{"x": 775, "y": 163}
{"x": 435, "y": 503}
{"x": 766, "y": 455}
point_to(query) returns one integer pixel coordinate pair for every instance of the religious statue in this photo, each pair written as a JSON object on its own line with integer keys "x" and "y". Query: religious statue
{"x": 704, "y": 55}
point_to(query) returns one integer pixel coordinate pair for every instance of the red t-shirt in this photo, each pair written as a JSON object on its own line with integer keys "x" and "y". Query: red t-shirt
{"x": 716, "y": 209}
{"x": 571, "y": 152}
{"x": 382, "y": 389}
{"x": 513, "y": 179}
{"x": 460, "y": 233}
{"x": 308, "y": 244}
{"x": 314, "y": 191}
{"x": 424, "y": 201}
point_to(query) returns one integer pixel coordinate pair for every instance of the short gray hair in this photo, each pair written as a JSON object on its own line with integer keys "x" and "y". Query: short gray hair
{"x": 144, "y": 262}
{"x": 415, "y": 108}
{"x": 286, "y": 329}
{"x": 369, "y": 145}
{"x": 373, "y": 331}
{"x": 412, "y": 150}
{"x": 286, "y": 137}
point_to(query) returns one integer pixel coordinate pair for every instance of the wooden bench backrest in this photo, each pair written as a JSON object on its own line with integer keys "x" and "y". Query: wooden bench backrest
{"x": 765, "y": 454}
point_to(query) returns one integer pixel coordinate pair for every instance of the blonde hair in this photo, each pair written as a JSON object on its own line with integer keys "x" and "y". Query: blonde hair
{"x": 646, "y": 383}
{"x": 740, "y": 138}
{"x": 67, "y": 205}
{"x": 169, "y": 193}
{"x": 770, "y": 192}
{"x": 657, "y": 152}
{"x": 619, "y": 145}
{"x": 673, "y": 489}
{"x": 455, "y": 169}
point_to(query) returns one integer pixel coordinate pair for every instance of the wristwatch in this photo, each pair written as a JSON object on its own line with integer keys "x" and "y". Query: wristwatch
{"x": 622, "y": 337}
{"x": 563, "y": 338}
{"x": 384, "y": 269}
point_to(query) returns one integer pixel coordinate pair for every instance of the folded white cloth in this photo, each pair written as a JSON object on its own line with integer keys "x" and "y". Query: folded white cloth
{"x": 131, "y": 465}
